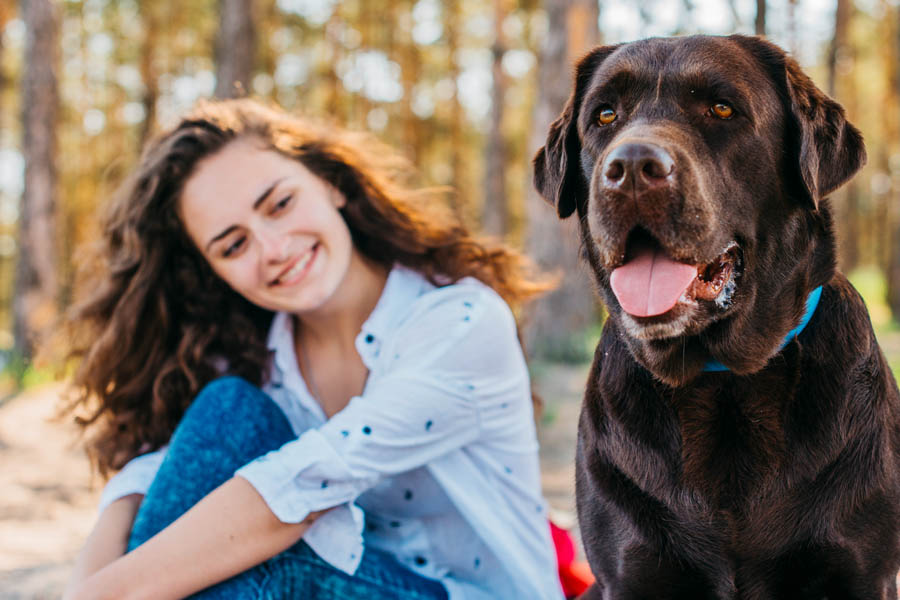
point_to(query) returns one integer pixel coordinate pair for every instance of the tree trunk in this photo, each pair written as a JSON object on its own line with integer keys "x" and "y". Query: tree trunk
{"x": 557, "y": 324}
{"x": 149, "y": 10}
{"x": 792, "y": 27}
{"x": 847, "y": 201}
{"x": 235, "y": 48}
{"x": 495, "y": 212}
{"x": 37, "y": 284}
{"x": 411, "y": 69}
{"x": 760, "y": 28}
{"x": 5, "y": 16}
{"x": 838, "y": 49}
{"x": 453, "y": 23}
{"x": 893, "y": 272}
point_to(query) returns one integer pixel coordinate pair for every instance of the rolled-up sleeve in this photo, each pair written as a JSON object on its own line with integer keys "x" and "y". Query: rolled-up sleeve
{"x": 134, "y": 478}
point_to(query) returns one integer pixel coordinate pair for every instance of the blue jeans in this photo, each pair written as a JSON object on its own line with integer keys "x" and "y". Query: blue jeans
{"x": 230, "y": 423}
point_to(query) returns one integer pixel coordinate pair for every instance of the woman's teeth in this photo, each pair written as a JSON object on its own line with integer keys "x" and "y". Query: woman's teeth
{"x": 297, "y": 268}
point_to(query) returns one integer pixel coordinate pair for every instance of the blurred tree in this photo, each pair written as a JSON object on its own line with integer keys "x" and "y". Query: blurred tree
{"x": 893, "y": 75}
{"x": 410, "y": 58}
{"x": 884, "y": 188}
{"x": 792, "y": 27}
{"x": 735, "y": 15}
{"x": 839, "y": 66}
{"x": 556, "y": 324}
{"x": 5, "y": 16}
{"x": 760, "y": 23}
{"x": 456, "y": 127}
{"x": 495, "y": 211}
{"x": 839, "y": 49}
{"x": 235, "y": 48}
{"x": 37, "y": 285}
{"x": 150, "y": 15}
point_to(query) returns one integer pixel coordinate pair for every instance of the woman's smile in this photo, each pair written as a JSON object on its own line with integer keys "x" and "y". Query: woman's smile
{"x": 297, "y": 269}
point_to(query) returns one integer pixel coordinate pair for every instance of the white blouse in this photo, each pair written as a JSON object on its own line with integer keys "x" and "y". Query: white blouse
{"x": 435, "y": 462}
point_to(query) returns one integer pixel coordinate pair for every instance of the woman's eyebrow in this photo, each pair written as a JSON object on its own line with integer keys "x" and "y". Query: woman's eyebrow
{"x": 220, "y": 236}
{"x": 266, "y": 193}
{"x": 256, "y": 203}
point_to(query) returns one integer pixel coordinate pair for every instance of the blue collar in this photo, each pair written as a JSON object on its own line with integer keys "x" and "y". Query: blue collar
{"x": 812, "y": 301}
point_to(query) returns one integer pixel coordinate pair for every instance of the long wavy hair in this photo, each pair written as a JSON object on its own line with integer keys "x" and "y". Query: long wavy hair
{"x": 155, "y": 324}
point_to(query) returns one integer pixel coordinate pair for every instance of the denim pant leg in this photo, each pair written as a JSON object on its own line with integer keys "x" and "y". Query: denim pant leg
{"x": 230, "y": 423}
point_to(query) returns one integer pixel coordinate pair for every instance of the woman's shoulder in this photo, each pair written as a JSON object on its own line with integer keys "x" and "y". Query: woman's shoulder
{"x": 462, "y": 329}
{"x": 467, "y": 300}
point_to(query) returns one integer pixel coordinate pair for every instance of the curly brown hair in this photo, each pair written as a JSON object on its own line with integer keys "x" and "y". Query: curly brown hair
{"x": 157, "y": 324}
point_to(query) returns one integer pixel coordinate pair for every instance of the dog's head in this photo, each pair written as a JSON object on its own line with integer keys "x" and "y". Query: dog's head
{"x": 698, "y": 167}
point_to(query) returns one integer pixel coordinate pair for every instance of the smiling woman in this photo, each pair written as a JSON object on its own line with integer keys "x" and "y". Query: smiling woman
{"x": 310, "y": 375}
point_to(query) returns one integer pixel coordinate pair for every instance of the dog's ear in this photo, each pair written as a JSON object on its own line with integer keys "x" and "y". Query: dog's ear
{"x": 826, "y": 149}
{"x": 830, "y": 150}
{"x": 557, "y": 175}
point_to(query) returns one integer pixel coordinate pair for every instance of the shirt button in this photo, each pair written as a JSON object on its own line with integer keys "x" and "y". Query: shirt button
{"x": 420, "y": 561}
{"x": 370, "y": 338}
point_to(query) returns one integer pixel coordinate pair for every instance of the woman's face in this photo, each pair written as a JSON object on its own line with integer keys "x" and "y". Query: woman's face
{"x": 268, "y": 226}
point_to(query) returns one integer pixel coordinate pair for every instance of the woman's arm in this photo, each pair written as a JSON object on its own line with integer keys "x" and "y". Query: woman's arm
{"x": 226, "y": 533}
{"x": 107, "y": 541}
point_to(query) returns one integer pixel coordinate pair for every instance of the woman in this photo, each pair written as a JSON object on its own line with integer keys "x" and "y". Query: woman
{"x": 373, "y": 431}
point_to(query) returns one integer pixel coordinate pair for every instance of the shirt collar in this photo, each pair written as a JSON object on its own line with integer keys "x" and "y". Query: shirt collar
{"x": 402, "y": 287}
{"x": 281, "y": 331}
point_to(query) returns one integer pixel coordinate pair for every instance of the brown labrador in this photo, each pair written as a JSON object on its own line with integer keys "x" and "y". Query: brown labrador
{"x": 721, "y": 454}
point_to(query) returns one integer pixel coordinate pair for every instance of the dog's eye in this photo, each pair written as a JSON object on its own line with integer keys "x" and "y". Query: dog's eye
{"x": 722, "y": 110}
{"x": 606, "y": 116}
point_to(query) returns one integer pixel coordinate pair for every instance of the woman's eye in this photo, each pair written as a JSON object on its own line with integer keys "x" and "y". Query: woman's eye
{"x": 234, "y": 247}
{"x": 282, "y": 204}
{"x": 606, "y": 116}
{"x": 722, "y": 110}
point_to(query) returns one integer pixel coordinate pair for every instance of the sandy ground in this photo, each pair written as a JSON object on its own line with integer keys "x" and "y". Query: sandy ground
{"x": 47, "y": 504}
{"x": 47, "y": 500}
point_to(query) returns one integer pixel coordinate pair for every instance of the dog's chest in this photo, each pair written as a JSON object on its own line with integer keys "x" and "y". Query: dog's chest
{"x": 732, "y": 440}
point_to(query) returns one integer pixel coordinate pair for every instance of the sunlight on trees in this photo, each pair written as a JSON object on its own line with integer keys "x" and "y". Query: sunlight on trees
{"x": 457, "y": 84}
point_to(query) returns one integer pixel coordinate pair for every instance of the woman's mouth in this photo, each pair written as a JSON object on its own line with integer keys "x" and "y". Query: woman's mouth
{"x": 298, "y": 270}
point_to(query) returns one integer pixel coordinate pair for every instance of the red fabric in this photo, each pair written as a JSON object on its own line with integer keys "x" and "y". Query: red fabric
{"x": 575, "y": 576}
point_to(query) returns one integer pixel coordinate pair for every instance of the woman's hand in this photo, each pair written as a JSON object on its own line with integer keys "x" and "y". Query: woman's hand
{"x": 226, "y": 533}
{"x": 107, "y": 541}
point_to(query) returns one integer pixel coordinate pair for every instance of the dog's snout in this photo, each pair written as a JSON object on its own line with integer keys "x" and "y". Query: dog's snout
{"x": 640, "y": 165}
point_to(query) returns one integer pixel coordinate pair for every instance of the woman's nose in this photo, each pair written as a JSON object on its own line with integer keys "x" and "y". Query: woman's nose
{"x": 274, "y": 246}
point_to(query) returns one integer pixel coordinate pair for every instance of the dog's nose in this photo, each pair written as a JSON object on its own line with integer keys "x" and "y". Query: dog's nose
{"x": 640, "y": 165}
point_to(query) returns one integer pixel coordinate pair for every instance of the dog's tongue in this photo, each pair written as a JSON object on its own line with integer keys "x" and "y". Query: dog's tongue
{"x": 650, "y": 283}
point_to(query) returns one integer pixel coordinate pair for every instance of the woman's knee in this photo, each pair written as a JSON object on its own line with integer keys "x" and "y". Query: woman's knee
{"x": 232, "y": 411}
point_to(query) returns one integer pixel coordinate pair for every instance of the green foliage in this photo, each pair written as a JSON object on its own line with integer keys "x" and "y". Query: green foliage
{"x": 17, "y": 374}
{"x": 871, "y": 284}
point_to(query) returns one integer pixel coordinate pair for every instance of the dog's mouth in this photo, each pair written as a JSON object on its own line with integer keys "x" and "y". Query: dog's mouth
{"x": 650, "y": 283}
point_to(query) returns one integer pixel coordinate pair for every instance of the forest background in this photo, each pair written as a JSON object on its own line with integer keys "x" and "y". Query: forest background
{"x": 467, "y": 90}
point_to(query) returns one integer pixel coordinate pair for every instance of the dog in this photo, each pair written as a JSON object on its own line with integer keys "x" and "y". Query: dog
{"x": 740, "y": 431}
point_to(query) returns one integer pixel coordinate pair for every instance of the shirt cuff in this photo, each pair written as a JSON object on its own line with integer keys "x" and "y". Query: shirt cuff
{"x": 134, "y": 478}
{"x": 304, "y": 476}
{"x": 337, "y": 537}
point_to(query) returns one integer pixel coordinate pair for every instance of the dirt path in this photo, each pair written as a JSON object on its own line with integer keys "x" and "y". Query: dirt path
{"x": 47, "y": 504}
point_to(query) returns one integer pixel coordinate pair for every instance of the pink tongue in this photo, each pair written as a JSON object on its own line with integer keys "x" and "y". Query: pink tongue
{"x": 651, "y": 283}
